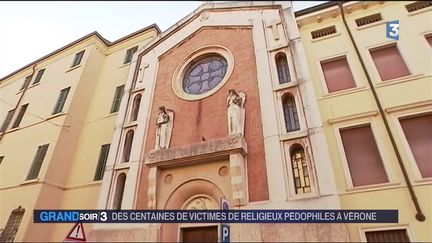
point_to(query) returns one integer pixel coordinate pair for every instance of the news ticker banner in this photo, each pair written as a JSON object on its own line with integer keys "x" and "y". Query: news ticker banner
{"x": 216, "y": 216}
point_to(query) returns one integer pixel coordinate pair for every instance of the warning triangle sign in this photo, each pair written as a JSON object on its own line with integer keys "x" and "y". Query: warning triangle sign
{"x": 76, "y": 234}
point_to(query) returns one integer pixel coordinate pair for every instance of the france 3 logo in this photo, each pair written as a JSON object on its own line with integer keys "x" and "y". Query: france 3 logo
{"x": 392, "y": 29}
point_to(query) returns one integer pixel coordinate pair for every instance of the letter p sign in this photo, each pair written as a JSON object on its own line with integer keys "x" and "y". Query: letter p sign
{"x": 225, "y": 233}
{"x": 392, "y": 30}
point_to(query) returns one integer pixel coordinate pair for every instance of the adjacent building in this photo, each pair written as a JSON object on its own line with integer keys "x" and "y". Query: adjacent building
{"x": 246, "y": 101}
{"x": 58, "y": 115}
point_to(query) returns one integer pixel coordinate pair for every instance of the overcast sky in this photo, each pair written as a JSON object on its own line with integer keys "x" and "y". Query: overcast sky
{"x": 30, "y": 30}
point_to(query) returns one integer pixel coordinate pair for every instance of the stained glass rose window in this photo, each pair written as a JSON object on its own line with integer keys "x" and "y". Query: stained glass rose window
{"x": 205, "y": 74}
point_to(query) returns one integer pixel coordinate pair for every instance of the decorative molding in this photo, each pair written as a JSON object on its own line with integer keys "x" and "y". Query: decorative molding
{"x": 353, "y": 116}
{"x": 198, "y": 152}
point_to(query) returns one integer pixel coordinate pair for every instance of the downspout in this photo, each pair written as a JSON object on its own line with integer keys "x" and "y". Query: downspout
{"x": 19, "y": 101}
{"x": 419, "y": 216}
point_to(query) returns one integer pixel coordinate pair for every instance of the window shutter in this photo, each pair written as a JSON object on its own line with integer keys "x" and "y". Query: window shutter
{"x": 399, "y": 235}
{"x": 389, "y": 63}
{"x": 61, "y": 100}
{"x": 20, "y": 116}
{"x": 364, "y": 161}
{"x": 37, "y": 162}
{"x": 39, "y": 76}
{"x": 337, "y": 75}
{"x": 7, "y": 120}
{"x": 418, "y": 132}
{"x": 117, "y": 98}
{"x": 26, "y": 82}
{"x": 103, "y": 156}
{"x": 12, "y": 226}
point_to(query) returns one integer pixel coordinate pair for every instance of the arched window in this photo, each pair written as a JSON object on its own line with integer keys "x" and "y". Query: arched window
{"x": 282, "y": 68}
{"x": 128, "y": 145}
{"x": 300, "y": 169}
{"x": 135, "y": 108}
{"x": 290, "y": 113}
{"x": 118, "y": 196}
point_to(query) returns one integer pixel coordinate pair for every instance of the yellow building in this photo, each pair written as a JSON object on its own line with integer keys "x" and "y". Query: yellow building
{"x": 365, "y": 82}
{"x": 58, "y": 115}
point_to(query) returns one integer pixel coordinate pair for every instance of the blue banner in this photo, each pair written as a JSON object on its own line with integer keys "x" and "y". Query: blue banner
{"x": 215, "y": 216}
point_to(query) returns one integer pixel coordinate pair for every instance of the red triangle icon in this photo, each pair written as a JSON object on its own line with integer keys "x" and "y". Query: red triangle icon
{"x": 76, "y": 234}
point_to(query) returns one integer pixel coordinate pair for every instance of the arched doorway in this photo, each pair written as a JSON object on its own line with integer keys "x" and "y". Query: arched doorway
{"x": 199, "y": 194}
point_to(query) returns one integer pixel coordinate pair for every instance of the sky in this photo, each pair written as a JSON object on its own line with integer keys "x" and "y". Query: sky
{"x": 30, "y": 30}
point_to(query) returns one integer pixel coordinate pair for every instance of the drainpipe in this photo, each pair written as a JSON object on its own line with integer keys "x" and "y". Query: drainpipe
{"x": 419, "y": 216}
{"x": 19, "y": 101}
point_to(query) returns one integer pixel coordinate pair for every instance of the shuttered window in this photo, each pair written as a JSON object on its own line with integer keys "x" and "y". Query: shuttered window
{"x": 61, "y": 101}
{"x": 418, "y": 132}
{"x": 361, "y": 151}
{"x": 78, "y": 58}
{"x": 399, "y": 235}
{"x": 389, "y": 63}
{"x": 39, "y": 76}
{"x": 7, "y": 120}
{"x": 37, "y": 162}
{"x": 129, "y": 54}
{"x": 20, "y": 116}
{"x": 12, "y": 226}
{"x": 337, "y": 74}
{"x": 26, "y": 82}
{"x": 103, "y": 156}
{"x": 117, "y": 99}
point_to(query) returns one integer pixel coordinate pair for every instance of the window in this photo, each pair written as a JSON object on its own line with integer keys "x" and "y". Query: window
{"x": 37, "y": 162}
{"x": 337, "y": 74}
{"x": 396, "y": 235}
{"x": 135, "y": 108}
{"x": 282, "y": 68}
{"x": 290, "y": 113}
{"x": 323, "y": 32}
{"x": 7, "y": 120}
{"x": 26, "y": 82}
{"x": 78, "y": 58}
{"x": 368, "y": 19}
{"x": 1, "y": 159}
{"x": 129, "y": 54}
{"x": 20, "y": 116}
{"x": 389, "y": 63}
{"x": 103, "y": 156}
{"x": 39, "y": 76}
{"x": 205, "y": 74}
{"x": 12, "y": 226}
{"x": 363, "y": 158}
{"x": 418, "y": 5}
{"x": 429, "y": 39}
{"x": 61, "y": 101}
{"x": 300, "y": 169}
{"x": 418, "y": 132}
{"x": 128, "y": 145}
{"x": 118, "y": 196}
{"x": 117, "y": 99}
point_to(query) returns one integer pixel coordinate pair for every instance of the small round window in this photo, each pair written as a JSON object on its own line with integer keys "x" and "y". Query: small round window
{"x": 204, "y": 74}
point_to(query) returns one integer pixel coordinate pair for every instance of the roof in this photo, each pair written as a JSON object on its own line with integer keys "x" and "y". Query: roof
{"x": 316, "y": 8}
{"x": 95, "y": 34}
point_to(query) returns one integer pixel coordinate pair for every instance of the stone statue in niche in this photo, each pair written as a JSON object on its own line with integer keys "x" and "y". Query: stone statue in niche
{"x": 164, "y": 124}
{"x": 236, "y": 112}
